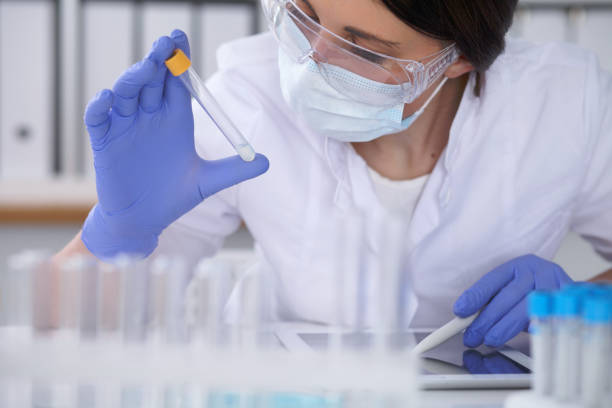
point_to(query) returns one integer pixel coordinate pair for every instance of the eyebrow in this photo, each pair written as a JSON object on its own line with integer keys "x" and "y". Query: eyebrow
{"x": 359, "y": 33}
{"x": 370, "y": 37}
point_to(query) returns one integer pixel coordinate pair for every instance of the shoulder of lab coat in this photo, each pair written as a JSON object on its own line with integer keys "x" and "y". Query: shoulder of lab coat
{"x": 568, "y": 86}
{"x": 593, "y": 214}
{"x": 245, "y": 68}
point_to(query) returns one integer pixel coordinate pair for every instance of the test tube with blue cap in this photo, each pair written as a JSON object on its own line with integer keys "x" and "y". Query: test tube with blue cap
{"x": 596, "y": 343}
{"x": 540, "y": 328}
{"x": 567, "y": 307}
{"x": 180, "y": 66}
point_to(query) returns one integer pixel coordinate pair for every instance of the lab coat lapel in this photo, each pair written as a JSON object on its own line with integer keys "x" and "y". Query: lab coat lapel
{"x": 365, "y": 199}
{"x": 355, "y": 191}
{"x": 426, "y": 216}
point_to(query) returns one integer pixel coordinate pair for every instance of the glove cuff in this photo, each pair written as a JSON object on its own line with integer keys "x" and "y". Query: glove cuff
{"x": 106, "y": 241}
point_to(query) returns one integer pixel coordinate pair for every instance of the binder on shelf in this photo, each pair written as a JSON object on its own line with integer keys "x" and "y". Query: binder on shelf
{"x": 108, "y": 51}
{"x": 27, "y": 86}
{"x": 594, "y": 31}
{"x": 161, "y": 18}
{"x": 221, "y": 23}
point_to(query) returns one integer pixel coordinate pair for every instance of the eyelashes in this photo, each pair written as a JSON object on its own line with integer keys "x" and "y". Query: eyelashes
{"x": 298, "y": 11}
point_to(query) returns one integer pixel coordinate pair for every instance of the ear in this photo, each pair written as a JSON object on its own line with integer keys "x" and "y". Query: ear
{"x": 458, "y": 68}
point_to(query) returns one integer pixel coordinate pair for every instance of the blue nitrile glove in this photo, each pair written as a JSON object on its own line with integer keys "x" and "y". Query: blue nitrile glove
{"x": 147, "y": 171}
{"x": 494, "y": 363}
{"x": 502, "y": 296}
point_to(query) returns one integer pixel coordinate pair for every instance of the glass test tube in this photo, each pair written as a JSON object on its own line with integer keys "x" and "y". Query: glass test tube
{"x": 26, "y": 272}
{"x": 540, "y": 329}
{"x": 566, "y": 304}
{"x": 134, "y": 298}
{"x": 180, "y": 66}
{"x": 170, "y": 303}
{"x": 78, "y": 299}
{"x": 212, "y": 287}
{"x": 390, "y": 283}
{"x": 597, "y": 317}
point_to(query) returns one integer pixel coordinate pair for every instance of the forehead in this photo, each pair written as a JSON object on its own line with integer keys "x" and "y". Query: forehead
{"x": 367, "y": 15}
{"x": 364, "y": 12}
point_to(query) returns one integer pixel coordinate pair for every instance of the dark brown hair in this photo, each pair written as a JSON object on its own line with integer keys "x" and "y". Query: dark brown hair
{"x": 478, "y": 27}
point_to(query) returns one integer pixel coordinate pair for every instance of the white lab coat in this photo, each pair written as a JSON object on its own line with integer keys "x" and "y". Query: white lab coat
{"x": 528, "y": 160}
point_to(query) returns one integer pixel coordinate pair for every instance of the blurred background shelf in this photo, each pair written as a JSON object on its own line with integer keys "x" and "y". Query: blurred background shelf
{"x": 46, "y": 202}
{"x": 77, "y": 47}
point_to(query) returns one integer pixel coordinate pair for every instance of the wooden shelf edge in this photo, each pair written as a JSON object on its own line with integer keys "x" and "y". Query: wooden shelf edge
{"x": 52, "y": 214}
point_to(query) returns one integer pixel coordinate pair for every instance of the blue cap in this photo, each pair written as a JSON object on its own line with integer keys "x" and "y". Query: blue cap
{"x": 598, "y": 309}
{"x": 540, "y": 304}
{"x": 567, "y": 302}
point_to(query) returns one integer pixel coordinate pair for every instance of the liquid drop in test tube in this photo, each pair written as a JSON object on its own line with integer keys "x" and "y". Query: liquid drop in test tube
{"x": 180, "y": 66}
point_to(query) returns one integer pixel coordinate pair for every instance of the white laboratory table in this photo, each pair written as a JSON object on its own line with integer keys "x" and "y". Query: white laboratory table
{"x": 460, "y": 398}
{"x": 465, "y": 398}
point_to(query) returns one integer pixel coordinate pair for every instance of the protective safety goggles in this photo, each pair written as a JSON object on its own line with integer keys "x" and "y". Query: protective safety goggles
{"x": 358, "y": 73}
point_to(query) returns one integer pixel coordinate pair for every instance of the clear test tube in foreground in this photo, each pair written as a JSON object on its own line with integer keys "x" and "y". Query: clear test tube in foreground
{"x": 540, "y": 311}
{"x": 566, "y": 307}
{"x": 180, "y": 66}
{"x": 597, "y": 338}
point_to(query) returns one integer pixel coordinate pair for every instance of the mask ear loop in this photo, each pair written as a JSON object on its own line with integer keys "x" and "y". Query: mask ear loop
{"x": 420, "y": 111}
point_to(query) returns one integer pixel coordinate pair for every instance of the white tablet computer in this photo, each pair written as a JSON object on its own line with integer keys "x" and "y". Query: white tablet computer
{"x": 448, "y": 366}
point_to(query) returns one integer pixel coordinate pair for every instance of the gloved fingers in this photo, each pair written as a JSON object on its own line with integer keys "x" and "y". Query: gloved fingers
{"x": 474, "y": 363}
{"x": 474, "y": 298}
{"x": 97, "y": 115}
{"x": 175, "y": 92}
{"x": 496, "y": 363}
{"x": 514, "y": 322}
{"x": 161, "y": 50}
{"x": 497, "y": 309}
{"x": 543, "y": 276}
{"x": 220, "y": 174}
{"x": 128, "y": 87}
{"x": 152, "y": 92}
{"x": 563, "y": 278}
{"x": 493, "y": 363}
{"x": 181, "y": 41}
{"x": 548, "y": 275}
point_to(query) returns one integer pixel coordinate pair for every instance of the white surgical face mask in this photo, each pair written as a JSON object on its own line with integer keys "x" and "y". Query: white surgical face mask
{"x": 334, "y": 115}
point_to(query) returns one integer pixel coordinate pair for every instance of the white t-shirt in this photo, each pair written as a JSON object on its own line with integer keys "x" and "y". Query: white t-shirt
{"x": 398, "y": 196}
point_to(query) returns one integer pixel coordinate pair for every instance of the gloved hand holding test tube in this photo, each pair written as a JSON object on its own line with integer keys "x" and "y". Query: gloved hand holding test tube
{"x": 148, "y": 172}
{"x": 180, "y": 66}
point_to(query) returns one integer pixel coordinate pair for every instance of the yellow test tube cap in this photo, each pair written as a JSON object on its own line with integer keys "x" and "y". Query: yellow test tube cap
{"x": 178, "y": 62}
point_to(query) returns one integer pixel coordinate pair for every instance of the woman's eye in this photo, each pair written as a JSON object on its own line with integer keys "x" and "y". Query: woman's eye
{"x": 367, "y": 55}
{"x": 301, "y": 9}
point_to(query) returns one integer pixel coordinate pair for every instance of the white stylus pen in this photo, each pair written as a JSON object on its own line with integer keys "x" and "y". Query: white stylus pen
{"x": 444, "y": 333}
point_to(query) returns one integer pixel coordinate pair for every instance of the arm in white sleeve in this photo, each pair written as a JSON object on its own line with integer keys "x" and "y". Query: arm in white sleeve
{"x": 592, "y": 217}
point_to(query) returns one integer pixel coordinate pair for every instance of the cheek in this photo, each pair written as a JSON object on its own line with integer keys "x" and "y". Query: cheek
{"x": 411, "y": 108}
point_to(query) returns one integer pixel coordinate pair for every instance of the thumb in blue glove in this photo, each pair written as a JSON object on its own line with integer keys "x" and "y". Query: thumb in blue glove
{"x": 148, "y": 173}
{"x": 502, "y": 296}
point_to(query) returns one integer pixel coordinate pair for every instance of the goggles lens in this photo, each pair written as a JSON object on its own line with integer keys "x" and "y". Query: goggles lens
{"x": 358, "y": 73}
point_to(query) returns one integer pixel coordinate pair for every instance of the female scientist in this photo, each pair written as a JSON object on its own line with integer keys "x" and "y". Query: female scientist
{"x": 491, "y": 151}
